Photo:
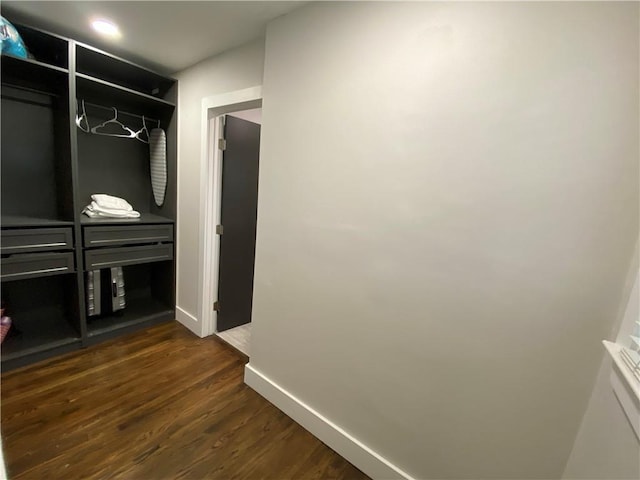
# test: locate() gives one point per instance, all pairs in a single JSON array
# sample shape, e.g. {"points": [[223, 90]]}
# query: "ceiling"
{"points": [[167, 36]]}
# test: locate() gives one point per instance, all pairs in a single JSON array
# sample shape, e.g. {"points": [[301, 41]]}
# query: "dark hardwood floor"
{"points": [[157, 404]]}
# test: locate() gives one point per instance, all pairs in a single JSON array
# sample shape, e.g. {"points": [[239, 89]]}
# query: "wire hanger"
{"points": [[83, 118], [125, 132], [143, 133]]}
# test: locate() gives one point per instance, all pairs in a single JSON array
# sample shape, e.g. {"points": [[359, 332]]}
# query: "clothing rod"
{"points": [[120, 112]]}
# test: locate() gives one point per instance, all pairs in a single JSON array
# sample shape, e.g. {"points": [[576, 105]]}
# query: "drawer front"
{"points": [[109, 236], [118, 257], [31, 265], [20, 240]]}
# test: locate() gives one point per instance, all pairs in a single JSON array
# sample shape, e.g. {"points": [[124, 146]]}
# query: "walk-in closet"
{"points": [[79, 122]]}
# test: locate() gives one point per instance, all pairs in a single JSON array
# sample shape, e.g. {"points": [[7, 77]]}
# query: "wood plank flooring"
{"points": [[158, 404]]}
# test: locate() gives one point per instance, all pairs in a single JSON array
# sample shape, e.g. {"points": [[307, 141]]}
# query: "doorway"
{"points": [[213, 109], [239, 146], [238, 215]]}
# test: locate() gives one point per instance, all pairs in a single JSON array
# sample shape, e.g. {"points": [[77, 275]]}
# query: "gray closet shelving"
{"points": [[49, 170]]}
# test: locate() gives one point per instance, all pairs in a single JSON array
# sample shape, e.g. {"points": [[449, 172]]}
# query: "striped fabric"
{"points": [[158, 162]]}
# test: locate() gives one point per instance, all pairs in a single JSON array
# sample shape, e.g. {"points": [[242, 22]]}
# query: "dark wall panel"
{"points": [[28, 155]]}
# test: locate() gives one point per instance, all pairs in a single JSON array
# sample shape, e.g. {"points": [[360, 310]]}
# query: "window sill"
{"points": [[625, 386]]}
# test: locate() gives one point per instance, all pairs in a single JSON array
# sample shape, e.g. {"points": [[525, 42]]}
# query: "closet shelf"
{"points": [[139, 311], [97, 63], [51, 334], [93, 89], [12, 62], [48, 48], [9, 221], [33, 74]]}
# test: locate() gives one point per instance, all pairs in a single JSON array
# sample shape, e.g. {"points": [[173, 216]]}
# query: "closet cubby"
{"points": [[96, 90], [45, 48], [117, 166], [50, 169], [35, 152], [147, 301], [44, 319], [28, 73], [35, 158], [92, 62]]}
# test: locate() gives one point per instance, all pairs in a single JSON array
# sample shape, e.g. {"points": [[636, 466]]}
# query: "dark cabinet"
{"points": [[32, 265], [118, 257], [18, 240], [50, 168], [109, 236]]}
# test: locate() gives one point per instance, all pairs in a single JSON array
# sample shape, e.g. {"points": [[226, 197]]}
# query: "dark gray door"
{"points": [[238, 218]]}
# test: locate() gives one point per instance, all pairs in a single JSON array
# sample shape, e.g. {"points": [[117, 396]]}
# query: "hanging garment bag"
{"points": [[158, 164]]}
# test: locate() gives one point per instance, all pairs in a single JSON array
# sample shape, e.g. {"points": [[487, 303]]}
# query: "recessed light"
{"points": [[106, 28]]}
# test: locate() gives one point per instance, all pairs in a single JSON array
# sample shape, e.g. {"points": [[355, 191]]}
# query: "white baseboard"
{"points": [[189, 321], [352, 449]]}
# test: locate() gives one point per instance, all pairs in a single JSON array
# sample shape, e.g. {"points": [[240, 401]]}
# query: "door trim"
{"points": [[213, 108]]}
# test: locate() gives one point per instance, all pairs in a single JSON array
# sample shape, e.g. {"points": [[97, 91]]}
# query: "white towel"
{"points": [[110, 202], [96, 211], [116, 212]]}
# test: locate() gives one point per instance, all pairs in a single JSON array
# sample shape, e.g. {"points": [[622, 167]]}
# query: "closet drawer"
{"points": [[109, 236], [19, 240], [30, 265], [118, 257]]}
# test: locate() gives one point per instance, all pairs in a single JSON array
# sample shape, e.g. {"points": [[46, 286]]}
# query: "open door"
{"points": [[238, 222]]}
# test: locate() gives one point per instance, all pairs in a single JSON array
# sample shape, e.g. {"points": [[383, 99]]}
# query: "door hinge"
{"points": [[222, 144], [219, 229], [216, 306]]}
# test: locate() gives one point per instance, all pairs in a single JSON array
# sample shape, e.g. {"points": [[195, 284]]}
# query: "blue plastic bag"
{"points": [[12, 43]]}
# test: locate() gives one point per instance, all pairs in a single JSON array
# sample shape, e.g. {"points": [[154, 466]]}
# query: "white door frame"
{"points": [[210, 194]]}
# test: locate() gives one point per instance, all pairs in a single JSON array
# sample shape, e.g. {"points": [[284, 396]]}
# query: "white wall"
{"points": [[448, 204], [606, 446], [234, 70]]}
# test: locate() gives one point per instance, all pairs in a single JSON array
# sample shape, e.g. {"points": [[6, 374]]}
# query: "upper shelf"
{"points": [[110, 94], [28, 73], [45, 47], [96, 63]]}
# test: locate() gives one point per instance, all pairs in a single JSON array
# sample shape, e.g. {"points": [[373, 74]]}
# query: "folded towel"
{"points": [[108, 201], [90, 213], [110, 211], [95, 211]]}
